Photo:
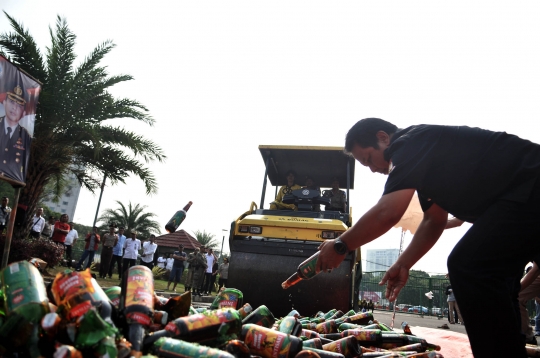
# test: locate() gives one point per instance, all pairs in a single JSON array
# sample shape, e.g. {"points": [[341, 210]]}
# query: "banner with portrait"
{"points": [[18, 100]]}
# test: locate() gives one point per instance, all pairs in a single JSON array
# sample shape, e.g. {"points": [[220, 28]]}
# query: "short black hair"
{"points": [[290, 172], [364, 133]]}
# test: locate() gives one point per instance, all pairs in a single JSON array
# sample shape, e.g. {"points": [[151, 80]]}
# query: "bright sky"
{"points": [[221, 78]]}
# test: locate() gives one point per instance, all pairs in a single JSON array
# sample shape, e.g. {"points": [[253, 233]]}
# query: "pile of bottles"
{"points": [[74, 317]]}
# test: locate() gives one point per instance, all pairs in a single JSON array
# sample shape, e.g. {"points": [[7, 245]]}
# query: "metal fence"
{"points": [[413, 297]]}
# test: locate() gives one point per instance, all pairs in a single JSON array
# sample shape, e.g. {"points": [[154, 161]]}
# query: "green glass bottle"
{"points": [[229, 297], [175, 348], [290, 325], [313, 343], [305, 271], [347, 346], [24, 291], [210, 327], [138, 305], [309, 334], [270, 343], [325, 354], [261, 316], [113, 293], [177, 218]]}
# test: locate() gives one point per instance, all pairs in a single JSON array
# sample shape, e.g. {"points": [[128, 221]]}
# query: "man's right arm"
{"points": [[377, 221]]}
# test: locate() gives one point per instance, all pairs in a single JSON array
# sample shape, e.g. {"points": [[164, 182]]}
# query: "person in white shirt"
{"points": [[38, 223], [131, 250], [210, 258], [149, 248], [71, 239], [161, 262], [170, 262]]}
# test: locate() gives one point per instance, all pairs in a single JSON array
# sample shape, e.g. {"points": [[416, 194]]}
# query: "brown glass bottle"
{"points": [[177, 218], [306, 270]]}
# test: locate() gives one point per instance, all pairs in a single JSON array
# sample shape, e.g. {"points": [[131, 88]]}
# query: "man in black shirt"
{"points": [[490, 179], [179, 257]]}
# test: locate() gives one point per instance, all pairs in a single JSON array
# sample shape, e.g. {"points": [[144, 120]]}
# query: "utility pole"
{"points": [[99, 201], [222, 241]]}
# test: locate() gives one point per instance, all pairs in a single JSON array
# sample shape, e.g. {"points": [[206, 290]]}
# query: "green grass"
{"points": [[159, 285]]}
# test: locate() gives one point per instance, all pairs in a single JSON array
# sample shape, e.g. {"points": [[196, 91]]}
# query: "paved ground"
{"points": [[416, 320]]}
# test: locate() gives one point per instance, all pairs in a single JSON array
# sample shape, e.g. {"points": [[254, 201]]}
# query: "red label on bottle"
{"points": [[227, 303], [136, 317], [80, 309]]}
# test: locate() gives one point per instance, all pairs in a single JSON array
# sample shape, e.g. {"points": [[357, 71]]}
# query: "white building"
{"points": [[380, 260], [68, 200]]}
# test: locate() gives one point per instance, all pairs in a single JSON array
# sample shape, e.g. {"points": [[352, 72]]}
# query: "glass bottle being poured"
{"points": [[306, 270]]}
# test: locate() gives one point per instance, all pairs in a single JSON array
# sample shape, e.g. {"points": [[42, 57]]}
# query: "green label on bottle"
{"points": [[307, 268]]}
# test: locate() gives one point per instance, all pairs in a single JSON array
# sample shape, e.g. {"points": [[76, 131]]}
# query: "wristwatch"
{"points": [[340, 247]]}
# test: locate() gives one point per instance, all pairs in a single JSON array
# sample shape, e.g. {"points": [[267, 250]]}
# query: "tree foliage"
{"points": [[71, 133], [206, 239], [132, 218]]}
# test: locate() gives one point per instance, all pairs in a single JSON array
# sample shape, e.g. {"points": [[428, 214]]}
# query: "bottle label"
{"points": [[364, 335], [79, 310], [137, 317], [140, 288], [307, 268], [266, 342], [226, 299], [176, 220], [71, 284], [199, 321]]}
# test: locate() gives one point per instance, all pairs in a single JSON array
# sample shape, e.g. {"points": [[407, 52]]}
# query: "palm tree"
{"points": [[71, 135], [132, 218], [206, 239]]}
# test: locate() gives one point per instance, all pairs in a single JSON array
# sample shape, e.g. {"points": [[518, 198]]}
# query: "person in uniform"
{"points": [[189, 276], [338, 198], [14, 139], [490, 179], [199, 263]]}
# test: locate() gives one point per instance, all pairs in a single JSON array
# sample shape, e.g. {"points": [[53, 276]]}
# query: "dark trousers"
{"points": [[485, 269], [86, 254], [222, 282], [69, 250], [207, 286], [150, 264], [115, 260], [127, 263], [106, 256]]}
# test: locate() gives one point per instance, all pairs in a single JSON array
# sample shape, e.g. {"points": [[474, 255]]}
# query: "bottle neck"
{"points": [[186, 208]]}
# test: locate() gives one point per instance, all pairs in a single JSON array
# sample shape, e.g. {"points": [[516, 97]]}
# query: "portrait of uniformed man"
{"points": [[14, 139]]}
